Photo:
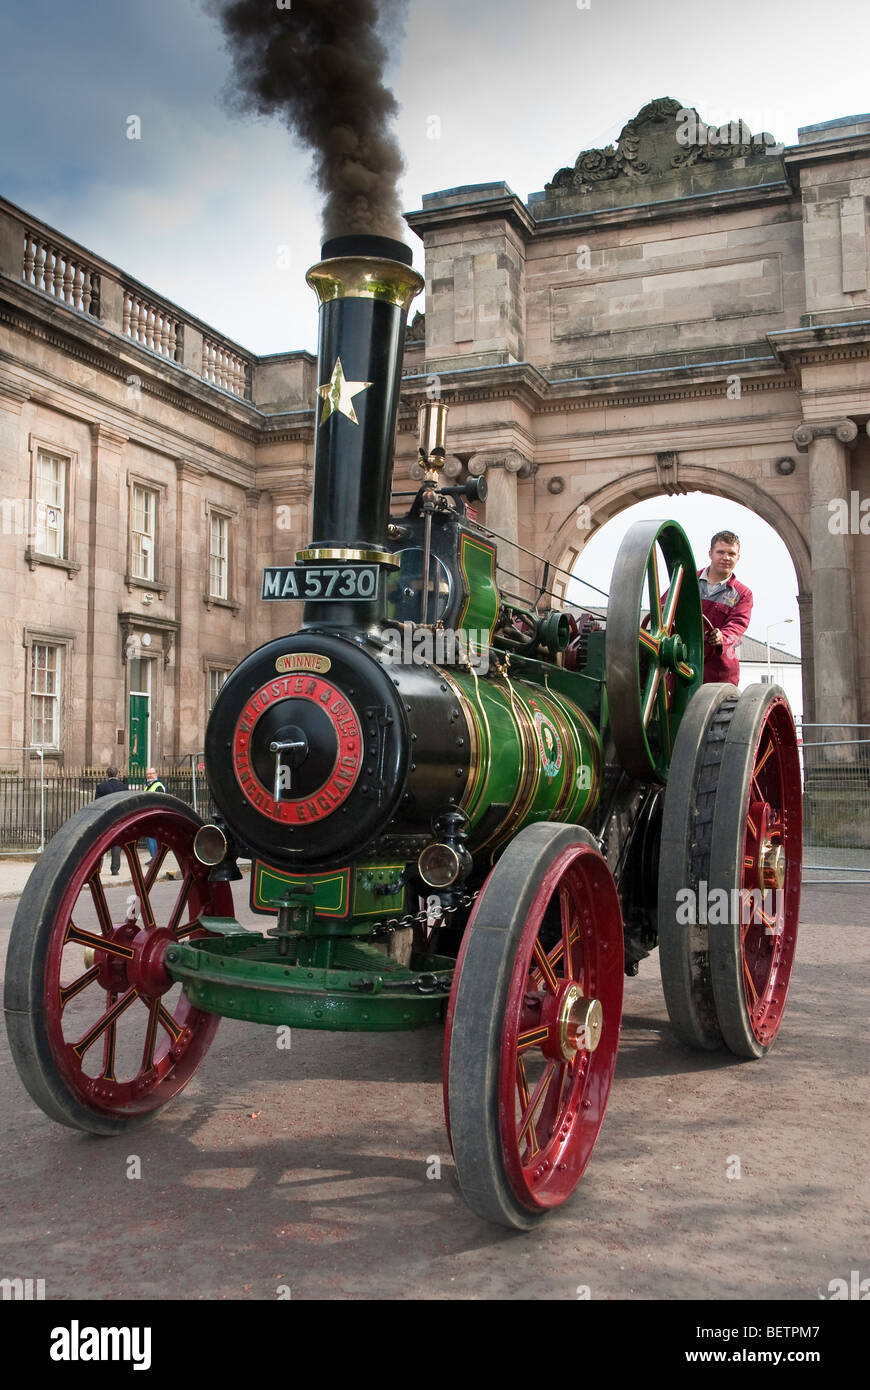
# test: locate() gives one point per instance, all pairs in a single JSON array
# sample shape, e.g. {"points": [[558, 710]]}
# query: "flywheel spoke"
{"points": [[537, 1099], [109, 1018], [101, 907], [673, 599], [69, 992], [655, 592], [545, 968]]}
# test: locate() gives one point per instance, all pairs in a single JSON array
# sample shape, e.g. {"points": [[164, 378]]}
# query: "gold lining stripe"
{"points": [[486, 759], [574, 712], [529, 772], [474, 765], [570, 743]]}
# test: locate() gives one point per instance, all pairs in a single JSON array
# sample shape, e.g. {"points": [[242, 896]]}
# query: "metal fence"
{"points": [[36, 798], [836, 776]]}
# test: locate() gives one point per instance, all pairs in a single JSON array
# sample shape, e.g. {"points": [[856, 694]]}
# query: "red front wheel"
{"points": [[533, 1025], [100, 1035]]}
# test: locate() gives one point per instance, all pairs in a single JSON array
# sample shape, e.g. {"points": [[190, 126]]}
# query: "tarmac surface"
{"points": [[312, 1172]]}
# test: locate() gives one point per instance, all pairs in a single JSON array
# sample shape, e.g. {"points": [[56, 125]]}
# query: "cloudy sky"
{"points": [[217, 212], [198, 207]]}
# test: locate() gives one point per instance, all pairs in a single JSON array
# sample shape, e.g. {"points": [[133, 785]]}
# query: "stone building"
{"points": [[689, 309], [149, 468]]}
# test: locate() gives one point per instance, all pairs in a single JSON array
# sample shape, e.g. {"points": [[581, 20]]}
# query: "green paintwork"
{"points": [[367, 877], [269, 886], [339, 894], [538, 755], [138, 759], [242, 975], [477, 563]]}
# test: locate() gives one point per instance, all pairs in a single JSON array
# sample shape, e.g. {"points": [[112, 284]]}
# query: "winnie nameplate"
{"points": [[325, 583], [303, 661]]}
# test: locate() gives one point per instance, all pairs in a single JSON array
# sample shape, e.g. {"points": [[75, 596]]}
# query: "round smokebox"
{"points": [[306, 750]]}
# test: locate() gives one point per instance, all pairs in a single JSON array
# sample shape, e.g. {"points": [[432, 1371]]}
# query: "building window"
{"points": [[144, 532], [51, 509], [216, 678], [218, 555], [45, 685], [51, 538], [146, 508]]}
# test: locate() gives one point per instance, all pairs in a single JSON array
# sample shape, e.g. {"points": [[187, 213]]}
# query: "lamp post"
{"points": [[781, 623]]}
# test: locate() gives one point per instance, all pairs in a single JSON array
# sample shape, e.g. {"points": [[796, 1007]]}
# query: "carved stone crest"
{"points": [[663, 137]]}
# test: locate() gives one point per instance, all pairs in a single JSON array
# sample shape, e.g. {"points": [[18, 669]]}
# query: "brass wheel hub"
{"points": [[771, 864], [580, 1022]]}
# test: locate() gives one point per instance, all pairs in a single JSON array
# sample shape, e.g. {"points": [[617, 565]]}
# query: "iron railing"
{"points": [[37, 799], [35, 802], [836, 776]]}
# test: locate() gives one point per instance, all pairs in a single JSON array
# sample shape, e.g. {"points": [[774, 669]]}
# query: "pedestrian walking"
{"points": [[112, 783]]}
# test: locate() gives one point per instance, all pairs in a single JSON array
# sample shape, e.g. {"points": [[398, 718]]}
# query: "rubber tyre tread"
{"points": [[684, 862], [478, 1020], [28, 949], [728, 831]]}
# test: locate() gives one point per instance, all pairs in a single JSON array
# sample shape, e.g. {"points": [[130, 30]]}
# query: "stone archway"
{"points": [[568, 543]]}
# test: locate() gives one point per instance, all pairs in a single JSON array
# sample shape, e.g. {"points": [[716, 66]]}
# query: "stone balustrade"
{"points": [[152, 326], [55, 270], [49, 264], [224, 368]]}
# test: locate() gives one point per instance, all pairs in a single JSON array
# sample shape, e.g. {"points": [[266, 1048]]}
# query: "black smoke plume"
{"points": [[318, 65]]}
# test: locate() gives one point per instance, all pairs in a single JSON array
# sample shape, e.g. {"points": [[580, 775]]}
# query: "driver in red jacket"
{"points": [[727, 608]]}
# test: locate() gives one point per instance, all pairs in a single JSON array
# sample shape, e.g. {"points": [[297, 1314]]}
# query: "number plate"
{"points": [[323, 583]]}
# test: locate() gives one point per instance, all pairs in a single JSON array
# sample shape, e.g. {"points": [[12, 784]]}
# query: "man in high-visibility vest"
{"points": [[152, 784]]}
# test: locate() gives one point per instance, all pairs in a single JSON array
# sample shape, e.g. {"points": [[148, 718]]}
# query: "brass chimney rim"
{"points": [[365, 277]]}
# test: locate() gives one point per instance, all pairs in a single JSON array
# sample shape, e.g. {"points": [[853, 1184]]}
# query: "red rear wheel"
{"points": [[755, 855], [100, 1034], [533, 1025]]}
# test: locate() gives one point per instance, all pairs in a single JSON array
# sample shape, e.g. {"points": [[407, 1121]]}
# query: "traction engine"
{"points": [[458, 808]]}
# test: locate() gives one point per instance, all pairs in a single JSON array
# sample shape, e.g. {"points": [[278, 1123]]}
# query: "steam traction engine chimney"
{"points": [[365, 285]]}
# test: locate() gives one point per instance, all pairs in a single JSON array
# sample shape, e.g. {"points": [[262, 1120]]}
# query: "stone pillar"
{"points": [[836, 686], [103, 674], [251, 586], [502, 511], [287, 529], [808, 662], [17, 523], [190, 586]]}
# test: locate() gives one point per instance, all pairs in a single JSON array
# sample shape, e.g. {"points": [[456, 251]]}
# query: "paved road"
{"points": [[307, 1168]]}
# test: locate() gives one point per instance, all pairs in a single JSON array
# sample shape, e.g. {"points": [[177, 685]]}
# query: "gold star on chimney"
{"points": [[338, 394]]}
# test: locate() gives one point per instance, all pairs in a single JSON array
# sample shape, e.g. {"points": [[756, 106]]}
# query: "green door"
{"points": [[138, 734]]}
